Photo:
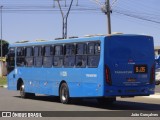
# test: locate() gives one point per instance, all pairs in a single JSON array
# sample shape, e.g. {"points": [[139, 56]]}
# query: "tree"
{"points": [[5, 45]]}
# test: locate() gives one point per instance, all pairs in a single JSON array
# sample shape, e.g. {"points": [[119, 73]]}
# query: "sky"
{"points": [[41, 19]]}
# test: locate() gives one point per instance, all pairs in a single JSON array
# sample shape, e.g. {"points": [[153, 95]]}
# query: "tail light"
{"points": [[108, 75], [152, 74]]}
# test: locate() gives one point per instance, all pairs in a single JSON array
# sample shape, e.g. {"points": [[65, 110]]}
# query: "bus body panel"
{"points": [[123, 56], [11, 81], [88, 81]]}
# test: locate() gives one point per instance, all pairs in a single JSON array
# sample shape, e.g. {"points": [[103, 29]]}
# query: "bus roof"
{"points": [[61, 41]]}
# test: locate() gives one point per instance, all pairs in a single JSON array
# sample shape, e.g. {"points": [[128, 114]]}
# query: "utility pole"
{"points": [[1, 62], [64, 18], [1, 33], [106, 9], [108, 15]]}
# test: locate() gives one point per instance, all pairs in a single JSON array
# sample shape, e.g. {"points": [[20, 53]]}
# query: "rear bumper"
{"points": [[129, 90]]}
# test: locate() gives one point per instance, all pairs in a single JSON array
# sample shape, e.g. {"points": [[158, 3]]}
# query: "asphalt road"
{"points": [[157, 90], [10, 101]]}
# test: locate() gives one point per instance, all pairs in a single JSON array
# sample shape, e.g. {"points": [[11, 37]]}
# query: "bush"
{"points": [[3, 81]]}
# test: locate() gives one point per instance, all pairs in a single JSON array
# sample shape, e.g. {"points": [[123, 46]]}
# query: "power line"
{"points": [[138, 17]]}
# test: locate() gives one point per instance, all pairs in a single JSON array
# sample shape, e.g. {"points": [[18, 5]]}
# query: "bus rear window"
{"points": [[137, 48]]}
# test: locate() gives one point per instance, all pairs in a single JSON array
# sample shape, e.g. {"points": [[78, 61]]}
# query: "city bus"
{"points": [[101, 67]]}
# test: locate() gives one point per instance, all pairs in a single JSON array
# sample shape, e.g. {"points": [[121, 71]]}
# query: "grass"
{"points": [[3, 81]]}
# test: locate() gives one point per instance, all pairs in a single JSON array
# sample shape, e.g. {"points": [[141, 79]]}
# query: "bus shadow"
{"points": [[118, 105], [123, 105], [43, 98]]}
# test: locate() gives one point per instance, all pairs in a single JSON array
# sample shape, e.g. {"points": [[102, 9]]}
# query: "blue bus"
{"points": [[102, 67]]}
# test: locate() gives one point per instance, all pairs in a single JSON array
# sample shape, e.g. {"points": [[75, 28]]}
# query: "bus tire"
{"points": [[22, 91], [64, 94], [24, 94], [106, 101]]}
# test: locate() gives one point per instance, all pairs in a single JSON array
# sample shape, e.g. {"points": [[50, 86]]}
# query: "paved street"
{"points": [[157, 89], [10, 101]]}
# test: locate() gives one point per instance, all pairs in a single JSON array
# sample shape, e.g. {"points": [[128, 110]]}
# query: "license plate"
{"points": [[140, 69]]}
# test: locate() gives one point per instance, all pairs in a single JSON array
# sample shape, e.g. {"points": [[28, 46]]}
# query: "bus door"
{"points": [[11, 68]]}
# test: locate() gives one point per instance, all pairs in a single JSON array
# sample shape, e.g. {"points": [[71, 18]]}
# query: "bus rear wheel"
{"points": [[24, 94], [64, 94]]}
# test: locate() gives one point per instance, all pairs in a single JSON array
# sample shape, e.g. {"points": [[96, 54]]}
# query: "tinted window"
{"points": [[29, 51], [94, 48], [38, 61], [20, 57], [69, 61], [70, 49], [81, 48], [58, 61], [38, 51], [58, 56], [48, 51], [38, 56], [91, 48], [10, 60], [47, 60], [20, 51], [29, 56], [58, 50], [93, 61], [11, 52], [97, 48], [81, 60], [93, 54]]}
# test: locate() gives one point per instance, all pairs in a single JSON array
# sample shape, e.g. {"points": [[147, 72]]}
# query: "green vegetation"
{"points": [[3, 81]]}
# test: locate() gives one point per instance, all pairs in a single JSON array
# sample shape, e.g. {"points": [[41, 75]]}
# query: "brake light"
{"points": [[108, 75], [152, 75]]}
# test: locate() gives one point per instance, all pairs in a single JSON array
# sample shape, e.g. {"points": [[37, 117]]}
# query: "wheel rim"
{"points": [[22, 90], [64, 94]]}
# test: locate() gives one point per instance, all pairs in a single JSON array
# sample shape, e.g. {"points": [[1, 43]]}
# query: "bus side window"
{"points": [[91, 48], [20, 57], [58, 56], [38, 56], [97, 48], [11, 60], [58, 50], [47, 59], [81, 58], [29, 56], [69, 59], [93, 54]]}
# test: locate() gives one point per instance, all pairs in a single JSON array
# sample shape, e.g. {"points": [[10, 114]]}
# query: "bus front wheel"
{"points": [[23, 94], [64, 94]]}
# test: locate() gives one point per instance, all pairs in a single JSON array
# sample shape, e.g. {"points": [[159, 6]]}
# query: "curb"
{"points": [[3, 86]]}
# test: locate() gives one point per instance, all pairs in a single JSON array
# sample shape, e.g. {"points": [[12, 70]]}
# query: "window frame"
{"points": [[50, 55], [67, 56], [39, 55], [18, 57], [11, 55], [82, 55], [61, 55], [94, 55], [32, 56]]}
